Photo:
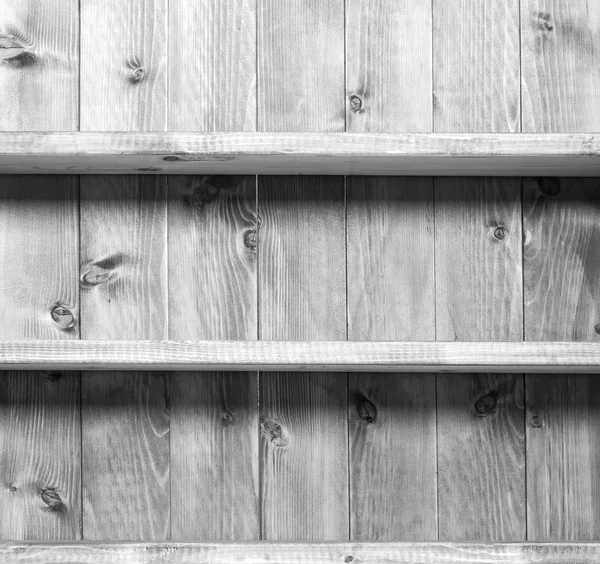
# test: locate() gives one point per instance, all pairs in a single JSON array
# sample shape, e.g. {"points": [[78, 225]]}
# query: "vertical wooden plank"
{"points": [[39, 412], [301, 65], [123, 65], [39, 85], [560, 60], [212, 295], [388, 46], [212, 65], [562, 262], [481, 451], [476, 66], [393, 485], [125, 425], [303, 420]]}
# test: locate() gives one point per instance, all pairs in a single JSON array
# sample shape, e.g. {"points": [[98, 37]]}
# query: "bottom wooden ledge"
{"points": [[315, 356], [295, 553]]}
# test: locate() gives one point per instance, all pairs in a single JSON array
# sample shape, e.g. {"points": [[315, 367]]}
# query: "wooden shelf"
{"points": [[302, 153], [315, 553], [359, 356]]}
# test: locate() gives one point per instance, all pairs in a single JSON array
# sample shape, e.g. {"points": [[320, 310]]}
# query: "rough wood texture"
{"points": [[562, 262], [39, 80], [392, 419], [303, 420], [388, 46], [123, 65], [213, 295], [39, 413], [307, 153], [476, 67], [323, 553], [212, 65], [301, 65], [560, 58], [125, 422], [481, 451]]}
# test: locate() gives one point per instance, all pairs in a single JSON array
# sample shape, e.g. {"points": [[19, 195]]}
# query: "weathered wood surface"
{"points": [[319, 553], [308, 153], [214, 416]]}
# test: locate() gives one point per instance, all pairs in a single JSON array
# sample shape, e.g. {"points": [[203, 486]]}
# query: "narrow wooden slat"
{"points": [[392, 420], [481, 451], [476, 67], [213, 295], [125, 422], [303, 420], [560, 57], [39, 83], [39, 413], [300, 65], [308, 153], [123, 65], [307, 356], [562, 263], [212, 65], [319, 553], [388, 46]]}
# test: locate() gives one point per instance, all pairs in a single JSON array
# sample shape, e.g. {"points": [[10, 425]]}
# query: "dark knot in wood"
{"points": [[349, 559], [250, 239], [62, 316], [273, 431], [500, 233], [52, 376], [355, 103], [549, 186], [536, 421], [52, 500], [597, 328], [366, 410], [12, 488], [487, 404], [227, 418]]}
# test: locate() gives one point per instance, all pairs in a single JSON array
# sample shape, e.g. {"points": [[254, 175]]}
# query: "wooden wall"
{"points": [[296, 456]]}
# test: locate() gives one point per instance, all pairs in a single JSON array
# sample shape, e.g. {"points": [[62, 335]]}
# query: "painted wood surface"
{"points": [[302, 153], [213, 295], [40, 443], [392, 420], [303, 420], [481, 461], [125, 420], [123, 65]]}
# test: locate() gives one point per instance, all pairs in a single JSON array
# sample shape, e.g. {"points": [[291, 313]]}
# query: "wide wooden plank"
{"points": [[125, 422], [303, 420], [319, 553], [308, 153], [560, 59], [390, 247], [214, 416], [212, 65], [123, 65], [562, 264], [388, 46], [302, 356], [39, 412], [39, 74], [300, 65], [476, 66], [481, 450]]}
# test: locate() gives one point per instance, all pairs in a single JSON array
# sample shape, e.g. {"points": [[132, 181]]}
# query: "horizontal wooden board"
{"points": [[302, 153], [315, 553], [307, 356]]}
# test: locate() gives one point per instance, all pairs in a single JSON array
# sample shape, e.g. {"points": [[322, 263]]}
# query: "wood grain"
{"points": [[560, 57], [125, 423], [39, 412], [212, 65], [300, 65], [123, 65], [391, 295], [476, 66], [320, 553], [481, 451], [561, 271], [213, 295], [302, 153], [388, 46], [303, 420], [39, 84]]}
